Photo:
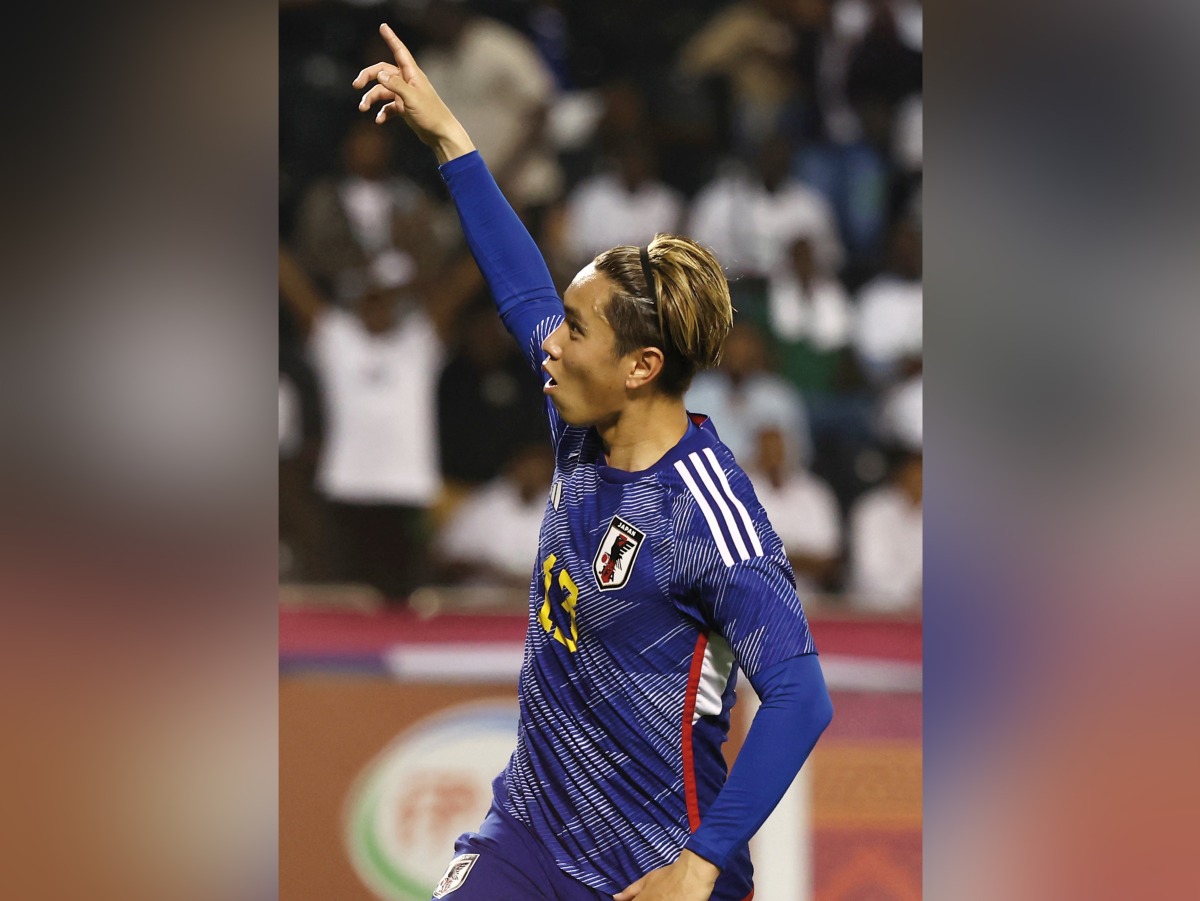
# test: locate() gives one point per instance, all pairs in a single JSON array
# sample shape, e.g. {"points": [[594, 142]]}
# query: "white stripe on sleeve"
{"points": [[737, 503], [715, 493], [707, 511]]}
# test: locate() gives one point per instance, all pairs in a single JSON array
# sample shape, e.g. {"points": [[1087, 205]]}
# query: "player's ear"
{"points": [[645, 367]]}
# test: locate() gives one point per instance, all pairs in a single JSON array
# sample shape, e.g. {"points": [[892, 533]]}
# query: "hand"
{"points": [[407, 93], [690, 878]]}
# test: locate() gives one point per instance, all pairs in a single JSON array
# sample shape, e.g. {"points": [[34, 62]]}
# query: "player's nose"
{"points": [[553, 343]]}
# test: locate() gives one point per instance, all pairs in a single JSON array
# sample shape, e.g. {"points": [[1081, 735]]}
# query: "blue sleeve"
{"points": [[795, 711], [506, 254], [753, 604]]}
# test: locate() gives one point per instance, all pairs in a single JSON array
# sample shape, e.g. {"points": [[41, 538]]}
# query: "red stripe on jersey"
{"points": [[689, 709]]}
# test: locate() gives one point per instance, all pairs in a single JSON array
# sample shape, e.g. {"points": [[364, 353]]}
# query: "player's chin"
{"points": [[571, 416]]}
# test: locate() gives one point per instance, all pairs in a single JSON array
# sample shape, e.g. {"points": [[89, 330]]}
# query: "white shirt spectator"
{"points": [[601, 213], [890, 324], [750, 229], [494, 527], [804, 513], [901, 413], [886, 546], [494, 80], [821, 316], [380, 404]]}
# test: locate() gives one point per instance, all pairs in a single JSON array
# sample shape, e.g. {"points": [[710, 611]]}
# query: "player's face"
{"points": [[586, 381]]}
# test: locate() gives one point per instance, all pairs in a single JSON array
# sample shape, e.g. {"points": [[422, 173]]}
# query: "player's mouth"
{"points": [[552, 382]]}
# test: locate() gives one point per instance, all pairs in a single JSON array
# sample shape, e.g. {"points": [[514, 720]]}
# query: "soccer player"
{"points": [[658, 575]]}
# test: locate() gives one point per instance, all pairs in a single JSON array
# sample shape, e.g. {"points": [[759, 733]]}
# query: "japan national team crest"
{"points": [[618, 549], [456, 874]]}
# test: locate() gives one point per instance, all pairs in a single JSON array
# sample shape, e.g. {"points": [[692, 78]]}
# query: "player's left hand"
{"points": [[690, 878]]}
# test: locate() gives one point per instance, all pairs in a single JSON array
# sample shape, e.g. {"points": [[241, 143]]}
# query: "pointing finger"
{"points": [[404, 59]]}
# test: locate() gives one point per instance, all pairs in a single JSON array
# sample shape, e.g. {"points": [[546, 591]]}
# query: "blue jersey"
{"points": [[650, 591]]}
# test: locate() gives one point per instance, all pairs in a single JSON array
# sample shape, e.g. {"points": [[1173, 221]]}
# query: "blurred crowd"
{"points": [[783, 134]]}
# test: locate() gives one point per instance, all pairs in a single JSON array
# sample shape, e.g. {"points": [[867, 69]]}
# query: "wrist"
{"points": [[698, 866], [455, 143]]}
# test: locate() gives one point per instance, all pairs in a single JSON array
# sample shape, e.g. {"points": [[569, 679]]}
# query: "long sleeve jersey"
{"points": [[650, 591]]}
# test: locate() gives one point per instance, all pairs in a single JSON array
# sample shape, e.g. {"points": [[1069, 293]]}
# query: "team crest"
{"points": [[616, 554], [456, 874]]}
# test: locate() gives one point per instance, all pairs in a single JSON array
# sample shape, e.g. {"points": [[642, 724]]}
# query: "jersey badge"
{"points": [[556, 493], [456, 874], [618, 550]]}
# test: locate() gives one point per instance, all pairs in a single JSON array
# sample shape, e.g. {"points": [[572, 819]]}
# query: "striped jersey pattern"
{"points": [[650, 591]]}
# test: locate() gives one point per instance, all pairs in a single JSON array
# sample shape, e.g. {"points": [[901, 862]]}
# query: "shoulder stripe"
{"points": [[737, 503], [707, 511], [715, 494]]}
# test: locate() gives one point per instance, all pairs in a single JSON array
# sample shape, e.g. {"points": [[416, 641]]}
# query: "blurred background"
{"points": [[414, 458]]}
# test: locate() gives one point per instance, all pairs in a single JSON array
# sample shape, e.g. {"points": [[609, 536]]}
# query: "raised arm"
{"points": [[299, 291], [507, 256]]}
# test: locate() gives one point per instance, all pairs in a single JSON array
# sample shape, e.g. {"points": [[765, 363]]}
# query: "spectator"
{"points": [[810, 317], [886, 540], [750, 46], [377, 368], [500, 88], [367, 224], [301, 539], [626, 204], [888, 334], [488, 389], [605, 120], [885, 64], [487, 539], [900, 413], [749, 218], [802, 509], [743, 398], [874, 66]]}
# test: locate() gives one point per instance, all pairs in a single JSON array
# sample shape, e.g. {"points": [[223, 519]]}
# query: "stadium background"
{"points": [[706, 97]]}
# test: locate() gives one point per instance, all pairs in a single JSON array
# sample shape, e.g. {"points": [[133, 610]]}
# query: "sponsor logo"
{"points": [[432, 783], [615, 557], [456, 874], [556, 493]]}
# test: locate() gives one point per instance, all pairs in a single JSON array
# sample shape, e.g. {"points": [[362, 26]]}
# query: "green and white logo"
{"points": [[432, 783]]}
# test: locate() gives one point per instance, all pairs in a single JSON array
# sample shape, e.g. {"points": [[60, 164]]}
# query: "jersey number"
{"points": [[570, 597]]}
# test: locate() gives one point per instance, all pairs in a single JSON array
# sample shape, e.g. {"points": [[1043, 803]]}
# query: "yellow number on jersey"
{"points": [[567, 584]]}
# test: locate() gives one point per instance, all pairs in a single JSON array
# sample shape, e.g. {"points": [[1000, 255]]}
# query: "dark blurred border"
{"points": [[1061, 528], [137, 486]]}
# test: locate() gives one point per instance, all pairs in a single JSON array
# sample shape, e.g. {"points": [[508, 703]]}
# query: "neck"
{"points": [[643, 432]]}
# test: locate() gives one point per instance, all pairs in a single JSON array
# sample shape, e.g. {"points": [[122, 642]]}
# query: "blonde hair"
{"points": [[686, 313]]}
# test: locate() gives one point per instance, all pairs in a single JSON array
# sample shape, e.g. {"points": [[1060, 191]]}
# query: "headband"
{"points": [[645, 254]]}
